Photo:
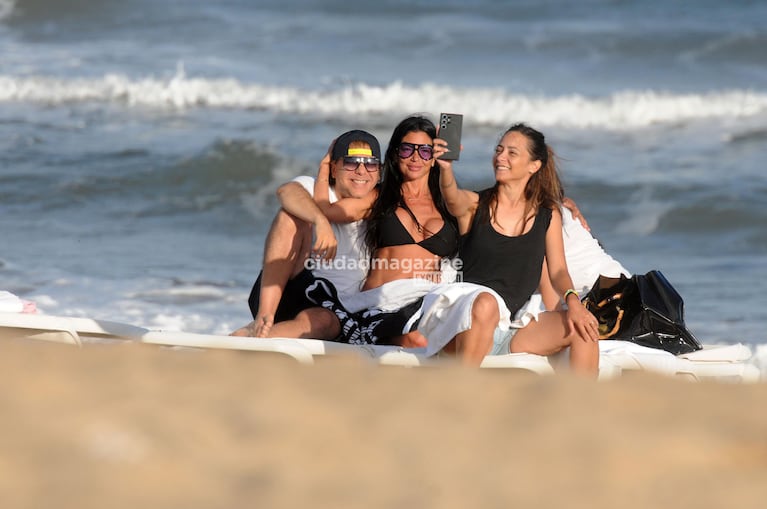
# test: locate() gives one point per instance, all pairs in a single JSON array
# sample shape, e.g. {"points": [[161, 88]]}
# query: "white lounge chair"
{"points": [[722, 362]]}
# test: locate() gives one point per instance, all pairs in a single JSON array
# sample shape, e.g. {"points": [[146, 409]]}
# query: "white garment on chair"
{"points": [[446, 308], [446, 311], [586, 259], [9, 303]]}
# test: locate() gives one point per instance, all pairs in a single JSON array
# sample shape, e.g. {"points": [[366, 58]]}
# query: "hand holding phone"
{"points": [[450, 125]]}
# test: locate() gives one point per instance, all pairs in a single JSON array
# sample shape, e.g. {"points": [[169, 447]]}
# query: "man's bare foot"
{"points": [[263, 324], [258, 328], [245, 332]]}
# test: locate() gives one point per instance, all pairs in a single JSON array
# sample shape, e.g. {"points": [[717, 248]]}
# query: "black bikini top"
{"points": [[393, 233]]}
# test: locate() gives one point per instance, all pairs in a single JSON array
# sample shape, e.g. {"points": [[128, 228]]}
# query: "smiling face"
{"points": [[512, 160], [355, 183], [414, 166]]}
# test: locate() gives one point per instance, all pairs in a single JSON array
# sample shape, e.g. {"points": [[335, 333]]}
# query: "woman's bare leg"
{"points": [[548, 335], [472, 345]]}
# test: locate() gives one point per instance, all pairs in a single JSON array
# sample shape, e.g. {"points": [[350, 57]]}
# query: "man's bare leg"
{"points": [[312, 323], [287, 247]]}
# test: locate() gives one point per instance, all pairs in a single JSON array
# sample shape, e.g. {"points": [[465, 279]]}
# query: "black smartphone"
{"points": [[450, 125]]}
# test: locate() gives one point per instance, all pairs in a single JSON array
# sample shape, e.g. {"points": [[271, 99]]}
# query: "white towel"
{"points": [[446, 308], [390, 296], [10, 303], [446, 311]]}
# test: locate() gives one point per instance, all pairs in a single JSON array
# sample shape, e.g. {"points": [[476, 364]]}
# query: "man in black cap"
{"points": [[303, 244]]}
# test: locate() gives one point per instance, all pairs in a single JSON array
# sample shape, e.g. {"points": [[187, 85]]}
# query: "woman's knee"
{"points": [[485, 309]]}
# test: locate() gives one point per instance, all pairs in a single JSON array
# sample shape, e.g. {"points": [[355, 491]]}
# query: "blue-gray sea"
{"points": [[141, 141]]}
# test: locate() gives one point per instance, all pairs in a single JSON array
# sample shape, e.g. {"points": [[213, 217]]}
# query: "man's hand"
{"points": [[570, 205], [325, 244]]}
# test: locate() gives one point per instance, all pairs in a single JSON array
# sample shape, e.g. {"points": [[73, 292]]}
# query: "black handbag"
{"points": [[644, 309]]}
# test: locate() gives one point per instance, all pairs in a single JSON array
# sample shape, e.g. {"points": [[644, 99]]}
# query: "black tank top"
{"points": [[509, 265]]}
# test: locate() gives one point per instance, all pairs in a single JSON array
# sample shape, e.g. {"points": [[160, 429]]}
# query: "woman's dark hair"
{"points": [[390, 192], [544, 187]]}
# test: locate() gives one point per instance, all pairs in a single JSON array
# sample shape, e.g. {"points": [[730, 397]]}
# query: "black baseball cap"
{"points": [[341, 146]]}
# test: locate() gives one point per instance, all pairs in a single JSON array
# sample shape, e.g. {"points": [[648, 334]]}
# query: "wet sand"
{"points": [[136, 426]]}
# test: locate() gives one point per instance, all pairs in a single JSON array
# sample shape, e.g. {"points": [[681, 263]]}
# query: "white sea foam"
{"points": [[628, 109]]}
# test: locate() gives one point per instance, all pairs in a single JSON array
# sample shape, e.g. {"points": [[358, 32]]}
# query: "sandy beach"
{"points": [[138, 426]]}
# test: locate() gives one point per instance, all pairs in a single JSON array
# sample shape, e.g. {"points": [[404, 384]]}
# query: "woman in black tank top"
{"points": [[507, 230]]}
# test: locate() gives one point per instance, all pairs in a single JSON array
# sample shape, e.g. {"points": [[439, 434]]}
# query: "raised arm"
{"points": [[344, 210], [461, 203]]}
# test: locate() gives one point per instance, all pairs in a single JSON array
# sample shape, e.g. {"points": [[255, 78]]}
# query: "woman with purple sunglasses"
{"points": [[411, 235], [505, 233], [410, 230]]}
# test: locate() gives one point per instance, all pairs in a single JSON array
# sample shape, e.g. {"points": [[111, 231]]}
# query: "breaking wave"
{"points": [[628, 109]]}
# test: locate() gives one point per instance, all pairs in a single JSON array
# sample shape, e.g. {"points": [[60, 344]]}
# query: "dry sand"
{"points": [[135, 426]]}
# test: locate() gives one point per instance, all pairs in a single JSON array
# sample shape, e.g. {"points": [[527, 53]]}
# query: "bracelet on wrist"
{"points": [[568, 293]]}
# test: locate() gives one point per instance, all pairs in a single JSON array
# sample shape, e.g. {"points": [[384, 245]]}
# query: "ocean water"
{"points": [[141, 142]]}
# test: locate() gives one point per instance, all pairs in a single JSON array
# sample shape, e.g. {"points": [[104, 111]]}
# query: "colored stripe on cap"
{"points": [[360, 152]]}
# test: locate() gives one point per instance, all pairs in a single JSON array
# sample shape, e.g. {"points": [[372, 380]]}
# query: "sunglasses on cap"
{"points": [[425, 152], [351, 163]]}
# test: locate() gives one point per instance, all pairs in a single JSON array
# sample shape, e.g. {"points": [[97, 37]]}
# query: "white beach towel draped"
{"points": [[9, 303], [446, 307]]}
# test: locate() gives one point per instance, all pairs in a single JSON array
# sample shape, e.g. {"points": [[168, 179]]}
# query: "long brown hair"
{"points": [[544, 187]]}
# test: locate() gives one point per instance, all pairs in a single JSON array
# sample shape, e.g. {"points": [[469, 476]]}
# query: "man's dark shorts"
{"points": [[362, 327], [293, 299]]}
